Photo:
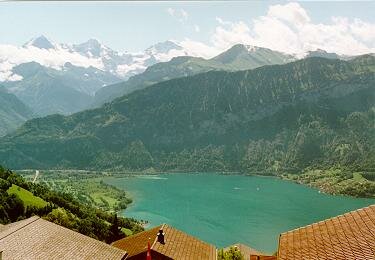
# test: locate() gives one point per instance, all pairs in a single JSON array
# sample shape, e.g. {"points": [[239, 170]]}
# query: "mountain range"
{"points": [[68, 88], [239, 57], [54, 78], [276, 118], [90, 53]]}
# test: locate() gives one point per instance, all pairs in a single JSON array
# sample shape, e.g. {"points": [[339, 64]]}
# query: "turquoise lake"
{"points": [[226, 209]]}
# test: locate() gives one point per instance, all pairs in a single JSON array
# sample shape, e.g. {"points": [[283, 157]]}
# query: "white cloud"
{"points": [[11, 56], [365, 31], [289, 28], [184, 14], [197, 28], [181, 15], [162, 57], [291, 12], [230, 34], [124, 69], [221, 21], [198, 49], [171, 11]]}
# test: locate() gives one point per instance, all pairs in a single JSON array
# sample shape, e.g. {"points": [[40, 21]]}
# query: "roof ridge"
{"points": [[155, 239], [135, 235], [327, 219], [30, 221], [179, 230]]}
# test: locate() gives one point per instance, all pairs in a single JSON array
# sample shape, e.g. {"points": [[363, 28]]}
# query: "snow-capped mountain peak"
{"points": [[91, 48], [90, 53], [251, 48], [40, 42]]}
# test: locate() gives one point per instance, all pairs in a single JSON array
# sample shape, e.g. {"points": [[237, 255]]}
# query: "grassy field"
{"points": [[86, 187], [104, 198], [27, 197], [357, 176], [127, 231]]}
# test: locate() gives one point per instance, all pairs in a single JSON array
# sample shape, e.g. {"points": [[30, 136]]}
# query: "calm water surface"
{"points": [[226, 209]]}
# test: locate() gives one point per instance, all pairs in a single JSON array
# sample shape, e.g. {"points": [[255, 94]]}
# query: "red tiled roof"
{"points": [[348, 236], [178, 245], [137, 243]]}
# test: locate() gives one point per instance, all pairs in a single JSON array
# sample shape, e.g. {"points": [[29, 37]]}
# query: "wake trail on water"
{"points": [[151, 177]]}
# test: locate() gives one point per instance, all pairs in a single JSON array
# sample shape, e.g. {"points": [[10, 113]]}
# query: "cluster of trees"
{"points": [[231, 254], [62, 209]]}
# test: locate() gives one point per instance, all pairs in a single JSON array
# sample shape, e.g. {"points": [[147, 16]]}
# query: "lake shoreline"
{"points": [[284, 176], [301, 179]]}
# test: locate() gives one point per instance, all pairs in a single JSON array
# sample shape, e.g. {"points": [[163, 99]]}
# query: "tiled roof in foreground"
{"points": [[178, 245], [137, 243], [348, 236], [35, 238]]}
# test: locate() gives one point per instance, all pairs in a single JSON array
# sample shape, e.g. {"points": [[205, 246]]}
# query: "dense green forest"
{"points": [[313, 113], [21, 199]]}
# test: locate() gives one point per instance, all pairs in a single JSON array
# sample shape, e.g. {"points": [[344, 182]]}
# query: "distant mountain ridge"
{"points": [[13, 113], [250, 57], [74, 88], [272, 119], [48, 91], [67, 78], [94, 53], [122, 65], [238, 57]]}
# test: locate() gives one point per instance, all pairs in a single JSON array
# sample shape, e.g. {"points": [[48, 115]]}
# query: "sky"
{"points": [[204, 27]]}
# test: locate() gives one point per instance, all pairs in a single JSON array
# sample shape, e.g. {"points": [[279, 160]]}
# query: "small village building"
{"points": [[166, 242], [36, 238], [348, 236]]}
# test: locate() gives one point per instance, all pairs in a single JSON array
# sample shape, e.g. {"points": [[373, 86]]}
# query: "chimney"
{"points": [[160, 236]]}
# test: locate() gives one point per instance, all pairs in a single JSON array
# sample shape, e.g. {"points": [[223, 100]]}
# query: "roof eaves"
{"points": [[16, 226], [324, 220]]}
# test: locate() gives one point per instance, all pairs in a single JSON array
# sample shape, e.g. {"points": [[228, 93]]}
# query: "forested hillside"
{"points": [[20, 199], [270, 120]]}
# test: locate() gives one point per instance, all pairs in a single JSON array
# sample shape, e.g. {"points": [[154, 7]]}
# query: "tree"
{"points": [[15, 207], [115, 231], [232, 254]]}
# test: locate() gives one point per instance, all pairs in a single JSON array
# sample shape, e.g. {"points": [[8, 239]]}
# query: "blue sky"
{"points": [[134, 26]]}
